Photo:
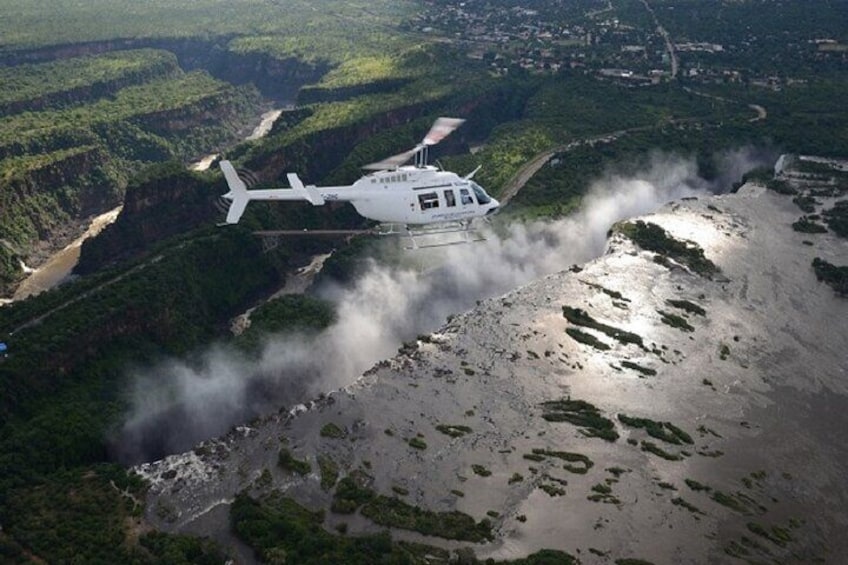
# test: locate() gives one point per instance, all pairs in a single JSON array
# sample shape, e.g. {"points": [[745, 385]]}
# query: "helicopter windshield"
{"points": [[481, 195]]}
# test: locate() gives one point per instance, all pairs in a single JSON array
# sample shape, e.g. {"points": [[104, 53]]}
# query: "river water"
{"points": [[59, 266]]}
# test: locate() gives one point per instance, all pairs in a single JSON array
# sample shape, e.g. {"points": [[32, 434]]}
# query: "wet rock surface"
{"points": [[729, 410]]}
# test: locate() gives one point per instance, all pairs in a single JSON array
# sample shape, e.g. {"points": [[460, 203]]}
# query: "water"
{"points": [[58, 268]]}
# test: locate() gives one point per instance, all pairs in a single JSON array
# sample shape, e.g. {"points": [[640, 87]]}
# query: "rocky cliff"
{"points": [[679, 399]]}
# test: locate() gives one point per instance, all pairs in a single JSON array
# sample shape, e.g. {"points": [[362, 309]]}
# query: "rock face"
{"points": [[711, 422]]}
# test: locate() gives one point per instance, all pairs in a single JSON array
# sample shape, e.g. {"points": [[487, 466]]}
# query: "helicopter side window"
{"points": [[450, 198], [465, 196], [428, 200]]}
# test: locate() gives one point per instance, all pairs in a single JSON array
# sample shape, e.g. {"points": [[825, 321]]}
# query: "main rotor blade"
{"points": [[442, 128], [394, 161]]}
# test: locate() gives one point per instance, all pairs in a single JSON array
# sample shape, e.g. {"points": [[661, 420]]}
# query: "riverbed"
{"points": [[58, 268]]}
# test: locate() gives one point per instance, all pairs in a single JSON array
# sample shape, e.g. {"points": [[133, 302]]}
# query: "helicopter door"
{"points": [[450, 198], [465, 197]]}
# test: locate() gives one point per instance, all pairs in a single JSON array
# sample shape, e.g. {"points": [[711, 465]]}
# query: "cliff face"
{"points": [[169, 201], [644, 405], [279, 79]]}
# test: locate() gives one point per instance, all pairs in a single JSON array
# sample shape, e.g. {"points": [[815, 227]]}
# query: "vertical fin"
{"points": [[237, 194]]}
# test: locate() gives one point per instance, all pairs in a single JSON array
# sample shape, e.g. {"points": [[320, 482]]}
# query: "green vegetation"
{"points": [[55, 83], [837, 218], [396, 513], [289, 313], [696, 486], [480, 470], [603, 493], [675, 321], [682, 503], [665, 431], [453, 430], [279, 528], [580, 317], [582, 414], [836, 277], [587, 339], [288, 462], [777, 535], [806, 225], [651, 237], [651, 447], [647, 371], [730, 501], [515, 478], [584, 462], [417, 443], [333, 431], [687, 306], [329, 472]]}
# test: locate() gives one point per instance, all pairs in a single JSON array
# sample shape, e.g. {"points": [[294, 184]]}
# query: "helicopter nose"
{"points": [[494, 206]]}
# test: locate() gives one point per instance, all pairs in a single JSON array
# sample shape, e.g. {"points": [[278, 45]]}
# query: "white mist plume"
{"points": [[180, 403]]}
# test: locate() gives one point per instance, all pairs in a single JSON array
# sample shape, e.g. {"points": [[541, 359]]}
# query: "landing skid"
{"points": [[419, 235]]}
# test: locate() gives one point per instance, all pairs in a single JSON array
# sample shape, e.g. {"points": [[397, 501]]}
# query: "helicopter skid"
{"points": [[421, 237]]}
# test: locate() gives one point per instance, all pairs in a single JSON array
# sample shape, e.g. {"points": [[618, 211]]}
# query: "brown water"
{"points": [[60, 265]]}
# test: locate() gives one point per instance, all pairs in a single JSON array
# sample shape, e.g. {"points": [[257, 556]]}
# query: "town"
{"points": [[628, 44]]}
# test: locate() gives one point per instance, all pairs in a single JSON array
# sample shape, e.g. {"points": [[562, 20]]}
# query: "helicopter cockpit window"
{"points": [[428, 200], [450, 198], [465, 196], [481, 195]]}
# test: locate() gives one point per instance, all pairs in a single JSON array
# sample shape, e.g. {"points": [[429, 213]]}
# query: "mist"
{"points": [[179, 402]]}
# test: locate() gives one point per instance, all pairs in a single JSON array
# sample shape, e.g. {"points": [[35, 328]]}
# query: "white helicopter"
{"points": [[421, 198]]}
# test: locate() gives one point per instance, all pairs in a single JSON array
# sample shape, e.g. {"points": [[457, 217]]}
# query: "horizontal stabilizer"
{"points": [[309, 193]]}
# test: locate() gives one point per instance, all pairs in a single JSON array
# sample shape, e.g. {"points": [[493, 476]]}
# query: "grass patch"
{"points": [[614, 294], [729, 501], [453, 430], [351, 493], [836, 277], [480, 470], [581, 469], [806, 203], [837, 218], [417, 443], [580, 317], [675, 321], [683, 504], [395, 513], [777, 535], [696, 486], [515, 478], [665, 431], [687, 306], [647, 371], [651, 447], [552, 490], [587, 339], [806, 225], [329, 472], [652, 237], [331, 430], [582, 414], [288, 462]]}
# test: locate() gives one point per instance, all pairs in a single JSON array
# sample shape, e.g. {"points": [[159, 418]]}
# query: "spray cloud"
{"points": [[179, 402]]}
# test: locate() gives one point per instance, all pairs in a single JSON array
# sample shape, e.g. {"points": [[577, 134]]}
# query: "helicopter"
{"points": [[419, 199]]}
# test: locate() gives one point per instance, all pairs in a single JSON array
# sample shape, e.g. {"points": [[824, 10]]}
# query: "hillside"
{"points": [[673, 399]]}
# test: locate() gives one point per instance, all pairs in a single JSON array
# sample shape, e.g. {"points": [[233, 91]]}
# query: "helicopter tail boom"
{"points": [[240, 196]]}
